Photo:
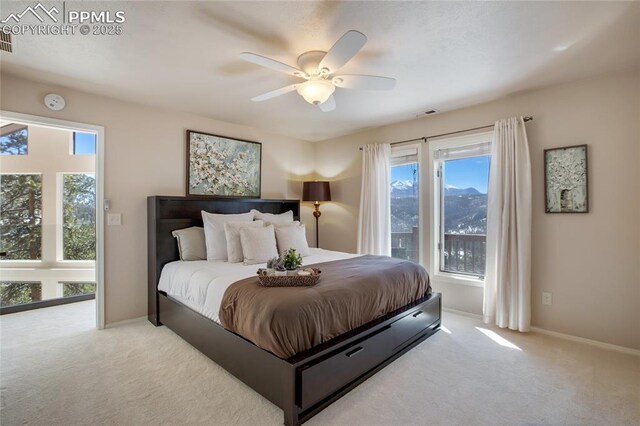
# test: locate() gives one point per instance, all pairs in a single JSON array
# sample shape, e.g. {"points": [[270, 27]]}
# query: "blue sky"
{"points": [[464, 173], [85, 143], [403, 172]]}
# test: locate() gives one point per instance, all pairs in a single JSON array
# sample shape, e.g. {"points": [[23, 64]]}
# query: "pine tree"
{"points": [[14, 143]]}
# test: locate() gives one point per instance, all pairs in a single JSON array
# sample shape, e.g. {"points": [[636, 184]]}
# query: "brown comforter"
{"points": [[351, 292]]}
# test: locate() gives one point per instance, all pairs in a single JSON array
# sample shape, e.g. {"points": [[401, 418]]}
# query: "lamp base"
{"points": [[316, 214]]}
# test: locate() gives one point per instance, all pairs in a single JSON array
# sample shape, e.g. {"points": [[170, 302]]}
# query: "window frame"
{"points": [[400, 151], [437, 206]]}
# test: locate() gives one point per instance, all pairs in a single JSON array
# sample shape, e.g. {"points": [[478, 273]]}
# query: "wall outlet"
{"points": [[114, 219], [547, 298]]}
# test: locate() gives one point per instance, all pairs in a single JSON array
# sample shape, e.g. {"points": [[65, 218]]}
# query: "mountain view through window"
{"points": [[405, 230], [464, 216]]}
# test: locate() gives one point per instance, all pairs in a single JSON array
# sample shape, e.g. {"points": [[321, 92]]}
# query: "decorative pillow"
{"points": [[191, 244], [283, 224], [215, 239], [232, 234], [273, 218], [292, 237], [258, 244]]}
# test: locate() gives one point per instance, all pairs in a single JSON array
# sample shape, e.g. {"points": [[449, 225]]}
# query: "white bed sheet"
{"points": [[201, 284]]}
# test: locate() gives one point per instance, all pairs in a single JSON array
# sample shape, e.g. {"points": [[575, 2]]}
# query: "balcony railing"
{"points": [[405, 245], [464, 253]]}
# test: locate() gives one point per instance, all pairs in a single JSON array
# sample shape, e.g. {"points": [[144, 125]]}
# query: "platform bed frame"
{"points": [[306, 383]]}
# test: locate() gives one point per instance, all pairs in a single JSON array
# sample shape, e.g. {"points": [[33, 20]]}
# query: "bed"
{"points": [[302, 384]]}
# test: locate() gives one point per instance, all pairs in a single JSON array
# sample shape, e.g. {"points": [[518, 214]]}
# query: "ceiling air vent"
{"points": [[427, 112], [5, 42]]}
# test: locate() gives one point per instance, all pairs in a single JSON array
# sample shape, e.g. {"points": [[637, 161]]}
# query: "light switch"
{"points": [[114, 219]]}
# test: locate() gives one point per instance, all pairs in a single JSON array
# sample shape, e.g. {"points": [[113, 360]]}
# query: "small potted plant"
{"points": [[292, 261]]}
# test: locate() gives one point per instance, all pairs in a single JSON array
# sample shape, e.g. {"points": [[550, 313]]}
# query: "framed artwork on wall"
{"points": [[566, 186], [218, 166]]}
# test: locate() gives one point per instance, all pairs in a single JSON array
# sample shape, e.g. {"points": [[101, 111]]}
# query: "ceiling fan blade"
{"points": [[344, 49], [272, 64], [274, 93], [365, 82], [328, 105]]}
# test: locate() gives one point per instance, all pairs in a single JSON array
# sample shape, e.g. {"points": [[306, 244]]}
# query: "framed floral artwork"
{"points": [[218, 166], [565, 180]]}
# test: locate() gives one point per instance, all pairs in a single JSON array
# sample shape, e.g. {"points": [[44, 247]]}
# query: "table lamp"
{"points": [[316, 191]]}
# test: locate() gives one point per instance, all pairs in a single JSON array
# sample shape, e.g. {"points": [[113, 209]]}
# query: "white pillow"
{"points": [[258, 244], [283, 224], [232, 235], [191, 244], [292, 237], [273, 218], [214, 237]]}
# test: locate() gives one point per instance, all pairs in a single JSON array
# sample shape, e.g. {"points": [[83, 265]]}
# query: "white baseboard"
{"points": [[124, 322], [596, 343], [463, 313], [539, 330]]}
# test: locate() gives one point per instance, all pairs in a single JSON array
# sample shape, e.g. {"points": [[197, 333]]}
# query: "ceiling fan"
{"points": [[319, 68]]}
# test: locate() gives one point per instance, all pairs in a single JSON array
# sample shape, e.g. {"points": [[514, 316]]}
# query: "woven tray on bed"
{"points": [[289, 280]]}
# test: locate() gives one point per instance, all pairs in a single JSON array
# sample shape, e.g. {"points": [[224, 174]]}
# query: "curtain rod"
{"points": [[425, 138]]}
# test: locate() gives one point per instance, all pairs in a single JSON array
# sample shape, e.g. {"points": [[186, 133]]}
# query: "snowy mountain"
{"points": [[401, 184], [403, 189], [451, 190], [465, 208]]}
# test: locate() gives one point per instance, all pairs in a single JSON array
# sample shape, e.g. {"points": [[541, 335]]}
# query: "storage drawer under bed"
{"points": [[330, 374]]}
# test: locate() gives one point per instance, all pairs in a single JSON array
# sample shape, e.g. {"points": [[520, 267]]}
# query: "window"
{"points": [[13, 139], [21, 216], [461, 168], [405, 204], [78, 289], [18, 293], [78, 216], [84, 143]]}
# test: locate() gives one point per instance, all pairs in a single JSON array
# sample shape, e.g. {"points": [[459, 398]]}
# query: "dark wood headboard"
{"points": [[166, 214]]}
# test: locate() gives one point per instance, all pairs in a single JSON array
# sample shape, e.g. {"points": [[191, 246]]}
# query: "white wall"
{"points": [[591, 262], [588, 261], [145, 155]]}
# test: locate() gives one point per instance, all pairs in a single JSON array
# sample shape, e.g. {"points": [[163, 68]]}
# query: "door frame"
{"points": [[99, 171]]}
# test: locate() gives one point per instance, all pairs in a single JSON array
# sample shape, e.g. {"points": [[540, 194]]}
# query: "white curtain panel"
{"points": [[507, 290], [374, 225]]}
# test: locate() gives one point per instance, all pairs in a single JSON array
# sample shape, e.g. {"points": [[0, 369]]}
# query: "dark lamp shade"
{"points": [[316, 191]]}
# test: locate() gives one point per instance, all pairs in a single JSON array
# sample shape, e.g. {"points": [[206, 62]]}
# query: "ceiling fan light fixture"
{"points": [[316, 91]]}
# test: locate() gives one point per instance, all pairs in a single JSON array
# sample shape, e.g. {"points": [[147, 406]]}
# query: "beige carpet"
{"points": [[57, 370]]}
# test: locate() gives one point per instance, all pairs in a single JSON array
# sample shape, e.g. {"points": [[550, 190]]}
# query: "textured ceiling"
{"points": [[444, 55]]}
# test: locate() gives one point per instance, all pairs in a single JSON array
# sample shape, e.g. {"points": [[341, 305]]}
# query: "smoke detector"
{"points": [[54, 102]]}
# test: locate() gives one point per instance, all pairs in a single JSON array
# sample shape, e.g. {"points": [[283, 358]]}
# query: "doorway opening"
{"points": [[51, 239]]}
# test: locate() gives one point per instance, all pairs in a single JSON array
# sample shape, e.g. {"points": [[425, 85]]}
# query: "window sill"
{"points": [[446, 278]]}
